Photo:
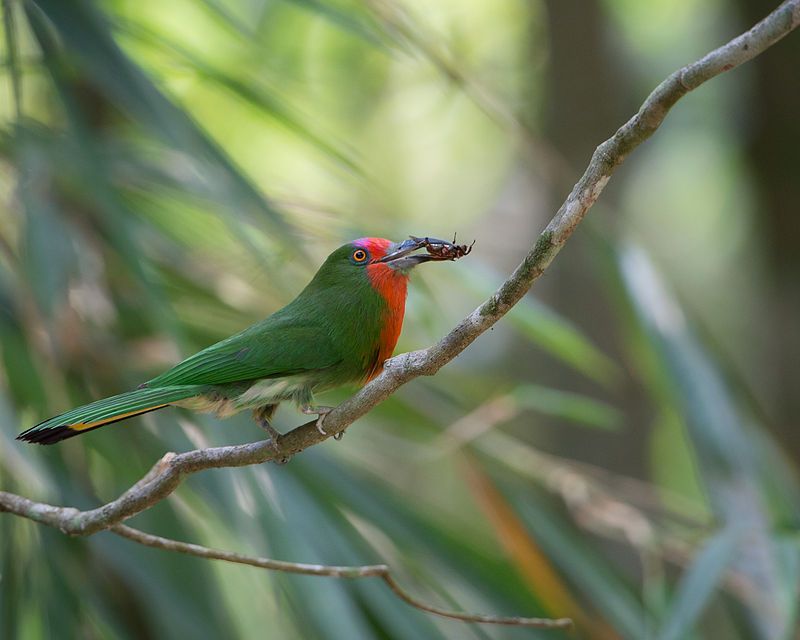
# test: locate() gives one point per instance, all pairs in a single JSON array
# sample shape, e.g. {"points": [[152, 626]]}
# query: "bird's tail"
{"points": [[106, 411]]}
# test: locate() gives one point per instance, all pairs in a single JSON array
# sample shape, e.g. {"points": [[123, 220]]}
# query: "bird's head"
{"points": [[384, 264], [379, 254]]}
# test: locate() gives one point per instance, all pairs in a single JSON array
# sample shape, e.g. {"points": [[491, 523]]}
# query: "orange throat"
{"points": [[393, 288]]}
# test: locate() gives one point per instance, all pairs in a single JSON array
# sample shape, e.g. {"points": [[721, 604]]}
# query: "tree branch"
{"points": [[364, 571], [168, 473]]}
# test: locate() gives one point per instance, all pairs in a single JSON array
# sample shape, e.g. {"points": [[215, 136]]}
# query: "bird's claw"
{"points": [[320, 412]]}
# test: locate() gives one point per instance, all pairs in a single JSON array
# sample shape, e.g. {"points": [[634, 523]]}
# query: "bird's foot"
{"points": [[274, 434], [320, 411]]}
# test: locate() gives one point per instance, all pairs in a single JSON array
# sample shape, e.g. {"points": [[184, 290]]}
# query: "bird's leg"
{"points": [[320, 411], [263, 416], [274, 434]]}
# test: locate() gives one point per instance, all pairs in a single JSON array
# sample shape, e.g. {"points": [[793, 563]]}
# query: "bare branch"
{"points": [[365, 571], [168, 473]]}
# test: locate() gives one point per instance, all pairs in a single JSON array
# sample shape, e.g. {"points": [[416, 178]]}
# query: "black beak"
{"points": [[399, 256]]}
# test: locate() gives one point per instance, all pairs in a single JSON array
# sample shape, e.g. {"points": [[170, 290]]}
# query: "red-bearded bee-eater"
{"points": [[339, 330]]}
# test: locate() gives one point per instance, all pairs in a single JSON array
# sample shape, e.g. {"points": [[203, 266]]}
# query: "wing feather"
{"points": [[272, 348]]}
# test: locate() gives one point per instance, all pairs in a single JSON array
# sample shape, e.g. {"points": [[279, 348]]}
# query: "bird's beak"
{"points": [[399, 256]]}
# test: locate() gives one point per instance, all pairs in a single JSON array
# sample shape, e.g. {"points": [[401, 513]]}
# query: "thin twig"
{"points": [[381, 571]]}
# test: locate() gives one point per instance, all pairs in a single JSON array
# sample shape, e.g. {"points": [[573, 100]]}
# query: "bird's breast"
{"points": [[392, 286]]}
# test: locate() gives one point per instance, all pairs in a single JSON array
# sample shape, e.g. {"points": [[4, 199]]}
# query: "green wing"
{"points": [[270, 349]]}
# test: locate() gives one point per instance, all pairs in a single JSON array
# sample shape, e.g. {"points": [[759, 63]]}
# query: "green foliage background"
{"points": [[170, 172]]}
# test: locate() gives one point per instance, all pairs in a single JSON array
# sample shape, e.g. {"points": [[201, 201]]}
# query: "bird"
{"points": [[339, 330]]}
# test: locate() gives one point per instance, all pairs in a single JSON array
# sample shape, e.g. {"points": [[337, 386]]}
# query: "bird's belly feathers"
{"points": [[225, 403]]}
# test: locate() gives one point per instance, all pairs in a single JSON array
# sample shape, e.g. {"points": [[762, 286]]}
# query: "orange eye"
{"points": [[359, 255]]}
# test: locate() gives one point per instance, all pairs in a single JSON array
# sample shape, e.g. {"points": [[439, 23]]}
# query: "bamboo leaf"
{"points": [[570, 406], [699, 582], [12, 49], [610, 596], [351, 22], [253, 92], [549, 330], [726, 443], [528, 557], [84, 33]]}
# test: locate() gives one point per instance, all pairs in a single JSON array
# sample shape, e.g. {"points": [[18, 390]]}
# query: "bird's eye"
{"points": [[359, 255]]}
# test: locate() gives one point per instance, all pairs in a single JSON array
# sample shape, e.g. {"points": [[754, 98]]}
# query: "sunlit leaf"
{"points": [[251, 91], [85, 34]]}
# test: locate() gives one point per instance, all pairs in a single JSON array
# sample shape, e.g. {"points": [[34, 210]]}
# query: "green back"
{"points": [[330, 333]]}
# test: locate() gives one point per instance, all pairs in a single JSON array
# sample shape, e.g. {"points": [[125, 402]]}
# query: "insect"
{"points": [[442, 249]]}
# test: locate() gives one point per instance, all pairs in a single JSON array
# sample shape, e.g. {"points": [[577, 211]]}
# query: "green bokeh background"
{"points": [[621, 448]]}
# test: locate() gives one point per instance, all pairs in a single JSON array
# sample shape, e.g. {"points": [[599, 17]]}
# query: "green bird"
{"points": [[339, 330]]}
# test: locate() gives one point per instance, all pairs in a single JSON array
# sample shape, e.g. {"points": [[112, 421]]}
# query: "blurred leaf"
{"points": [[677, 474], [308, 531], [171, 600], [528, 558], [567, 405], [225, 16], [552, 332], [723, 440], [47, 252], [251, 91], [503, 408], [84, 33], [356, 23], [699, 582], [437, 543], [788, 559], [609, 595], [118, 225], [26, 386], [12, 50], [714, 422], [126, 226]]}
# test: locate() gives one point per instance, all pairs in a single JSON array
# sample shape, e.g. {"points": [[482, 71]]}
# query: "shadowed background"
{"points": [[620, 449]]}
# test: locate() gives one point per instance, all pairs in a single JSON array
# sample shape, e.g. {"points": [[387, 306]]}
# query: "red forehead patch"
{"points": [[377, 247]]}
